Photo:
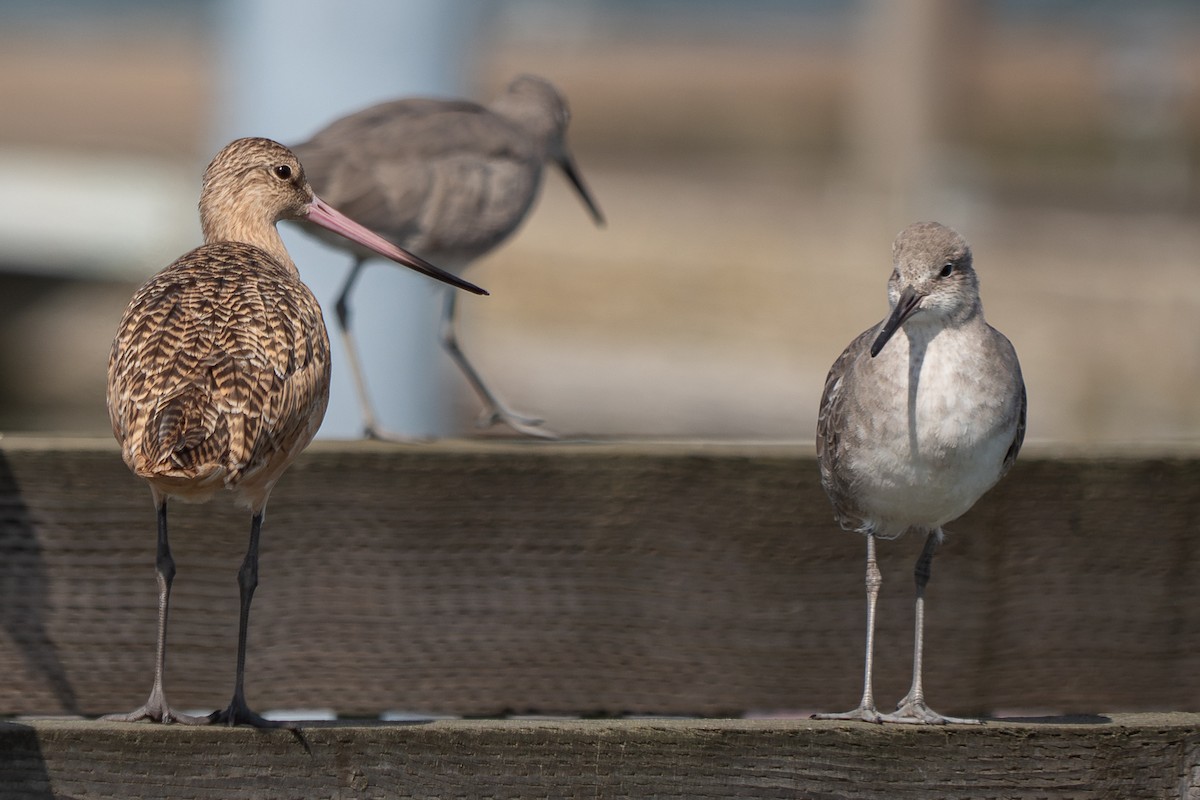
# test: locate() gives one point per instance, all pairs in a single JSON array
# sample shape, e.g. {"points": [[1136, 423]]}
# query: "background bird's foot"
{"points": [[865, 713], [916, 712], [238, 713], [529, 426], [377, 434]]}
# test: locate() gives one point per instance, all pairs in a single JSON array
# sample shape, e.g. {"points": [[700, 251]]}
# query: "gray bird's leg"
{"points": [[156, 708], [238, 713], [371, 427], [493, 410], [866, 708], [912, 708]]}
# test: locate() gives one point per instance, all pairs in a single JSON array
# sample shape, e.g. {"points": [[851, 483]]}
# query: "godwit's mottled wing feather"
{"points": [[430, 175], [830, 425], [220, 369]]}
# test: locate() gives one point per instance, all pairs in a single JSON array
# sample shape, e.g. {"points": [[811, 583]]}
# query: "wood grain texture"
{"points": [[483, 578], [1136, 756]]}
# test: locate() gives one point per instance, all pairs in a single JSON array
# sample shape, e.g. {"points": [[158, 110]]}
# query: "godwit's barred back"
{"points": [[448, 179], [921, 415], [219, 374]]}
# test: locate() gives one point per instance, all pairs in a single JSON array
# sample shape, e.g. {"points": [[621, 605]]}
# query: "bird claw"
{"points": [[530, 426], [916, 712], [238, 713], [862, 713], [379, 435], [156, 710]]}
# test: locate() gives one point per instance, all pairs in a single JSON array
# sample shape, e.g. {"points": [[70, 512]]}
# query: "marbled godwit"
{"points": [[219, 373], [448, 179], [912, 434]]}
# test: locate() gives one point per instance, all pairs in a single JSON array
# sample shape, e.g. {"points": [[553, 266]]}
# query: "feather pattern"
{"points": [[219, 375]]}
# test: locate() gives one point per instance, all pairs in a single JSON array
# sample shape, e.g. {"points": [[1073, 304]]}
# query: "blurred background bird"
{"points": [[451, 180]]}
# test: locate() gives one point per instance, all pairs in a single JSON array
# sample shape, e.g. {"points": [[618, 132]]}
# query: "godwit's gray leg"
{"points": [[238, 713], [866, 708], [913, 707], [494, 412], [156, 707]]}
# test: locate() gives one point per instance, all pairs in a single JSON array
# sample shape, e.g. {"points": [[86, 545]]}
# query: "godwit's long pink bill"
{"points": [[321, 213], [219, 373]]}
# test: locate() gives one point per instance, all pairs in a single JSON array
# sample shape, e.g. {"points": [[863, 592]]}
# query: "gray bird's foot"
{"points": [[916, 712], [156, 710], [529, 426], [864, 713], [238, 713]]}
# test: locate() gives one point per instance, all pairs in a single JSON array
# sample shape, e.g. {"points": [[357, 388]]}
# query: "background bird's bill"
{"points": [[321, 213], [567, 165]]}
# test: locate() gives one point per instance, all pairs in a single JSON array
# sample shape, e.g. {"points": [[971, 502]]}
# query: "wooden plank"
{"points": [[487, 577], [1128, 757]]}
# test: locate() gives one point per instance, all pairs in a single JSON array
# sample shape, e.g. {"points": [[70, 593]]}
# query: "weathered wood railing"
{"points": [[650, 578]]}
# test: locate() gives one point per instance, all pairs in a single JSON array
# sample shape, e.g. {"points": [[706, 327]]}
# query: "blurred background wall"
{"points": [[755, 158]]}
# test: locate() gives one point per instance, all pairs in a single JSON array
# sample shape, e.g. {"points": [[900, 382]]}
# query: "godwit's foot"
{"points": [[156, 710], [916, 712], [238, 713], [863, 713], [530, 426]]}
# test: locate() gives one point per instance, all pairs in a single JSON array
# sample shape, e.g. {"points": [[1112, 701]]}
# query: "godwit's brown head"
{"points": [[538, 107], [254, 183]]}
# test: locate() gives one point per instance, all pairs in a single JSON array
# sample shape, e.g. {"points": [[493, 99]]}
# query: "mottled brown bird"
{"points": [[449, 179], [219, 374]]}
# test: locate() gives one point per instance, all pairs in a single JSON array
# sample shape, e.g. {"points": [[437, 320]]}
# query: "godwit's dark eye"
{"points": [[947, 270], [284, 172]]}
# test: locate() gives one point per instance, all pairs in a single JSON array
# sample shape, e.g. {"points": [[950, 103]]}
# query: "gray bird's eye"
{"points": [[947, 270]]}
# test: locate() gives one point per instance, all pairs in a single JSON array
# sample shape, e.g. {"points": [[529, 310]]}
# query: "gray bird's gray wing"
{"points": [[830, 427], [1019, 438], [1001, 351]]}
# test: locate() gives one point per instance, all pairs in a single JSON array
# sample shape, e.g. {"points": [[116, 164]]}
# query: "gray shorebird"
{"points": [[219, 374], [921, 415], [449, 179]]}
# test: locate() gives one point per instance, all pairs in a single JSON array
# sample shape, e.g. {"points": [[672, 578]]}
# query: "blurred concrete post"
{"points": [[907, 56], [287, 69]]}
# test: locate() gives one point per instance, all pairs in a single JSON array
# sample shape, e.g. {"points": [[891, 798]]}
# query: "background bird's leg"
{"points": [[371, 428], [913, 707], [156, 707], [493, 411], [866, 707], [238, 712]]}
